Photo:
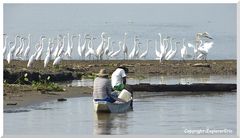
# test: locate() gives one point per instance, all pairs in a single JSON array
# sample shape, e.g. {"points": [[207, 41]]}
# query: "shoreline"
{"points": [[24, 97], [76, 69]]}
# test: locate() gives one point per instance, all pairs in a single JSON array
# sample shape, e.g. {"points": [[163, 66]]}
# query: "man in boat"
{"points": [[102, 90], [119, 80]]}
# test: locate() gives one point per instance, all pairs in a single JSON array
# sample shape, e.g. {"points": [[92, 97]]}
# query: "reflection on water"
{"points": [[105, 123], [152, 114], [163, 79]]}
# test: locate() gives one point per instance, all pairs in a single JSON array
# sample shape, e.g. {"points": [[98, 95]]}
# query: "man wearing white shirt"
{"points": [[119, 78]]}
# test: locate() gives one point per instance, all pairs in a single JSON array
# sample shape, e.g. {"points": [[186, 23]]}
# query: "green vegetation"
{"points": [[43, 84], [90, 76]]}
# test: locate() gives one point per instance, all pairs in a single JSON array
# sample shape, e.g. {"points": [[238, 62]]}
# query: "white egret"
{"points": [[16, 52], [116, 53], [39, 52], [144, 54], [48, 56], [173, 53], [26, 52], [156, 50], [106, 49], [62, 44], [12, 49], [9, 55], [5, 44], [132, 53], [32, 58], [56, 51], [68, 51], [171, 48], [84, 46], [136, 55], [90, 51], [161, 44], [57, 60], [163, 50], [110, 53], [124, 47], [22, 48], [183, 51], [100, 48], [79, 49], [195, 49]]}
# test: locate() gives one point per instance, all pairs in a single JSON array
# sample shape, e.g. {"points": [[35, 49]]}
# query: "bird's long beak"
{"points": [[209, 37]]}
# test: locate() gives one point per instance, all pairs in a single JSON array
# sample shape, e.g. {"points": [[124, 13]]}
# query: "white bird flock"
{"points": [[166, 48]]}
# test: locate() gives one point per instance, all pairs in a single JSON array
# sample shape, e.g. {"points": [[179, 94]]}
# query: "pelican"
{"points": [[144, 54], [204, 34], [124, 47], [204, 49], [117, 52]]}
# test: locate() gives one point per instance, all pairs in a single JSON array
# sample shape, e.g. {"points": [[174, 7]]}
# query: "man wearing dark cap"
{"points": [[102, 88]]}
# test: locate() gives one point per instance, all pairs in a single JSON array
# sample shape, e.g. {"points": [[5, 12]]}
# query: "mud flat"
{"points": [[74, 69], [16, 96]]}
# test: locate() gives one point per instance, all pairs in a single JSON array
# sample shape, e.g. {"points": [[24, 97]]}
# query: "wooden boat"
{"points": [[117, 107]]}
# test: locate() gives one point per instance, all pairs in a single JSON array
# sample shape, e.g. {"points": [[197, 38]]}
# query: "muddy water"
{"points": [[163, 79], [153, 114]]}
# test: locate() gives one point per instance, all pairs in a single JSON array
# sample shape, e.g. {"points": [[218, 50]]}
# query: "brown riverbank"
{"points": [[16, 96], [74, 69], [23, 95]]}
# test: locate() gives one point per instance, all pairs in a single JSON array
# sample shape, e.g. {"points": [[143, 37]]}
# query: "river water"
{"points": [[152, 114]]}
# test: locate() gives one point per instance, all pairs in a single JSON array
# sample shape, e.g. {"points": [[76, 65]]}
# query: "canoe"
{"points": [[117, 107]]}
